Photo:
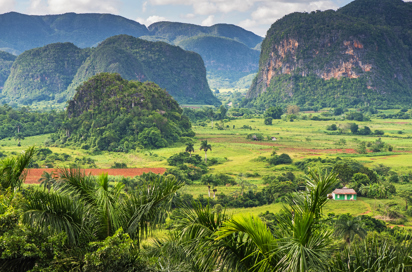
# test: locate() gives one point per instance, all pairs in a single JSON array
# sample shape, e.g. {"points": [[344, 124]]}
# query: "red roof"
{"points": [[344, 191]]}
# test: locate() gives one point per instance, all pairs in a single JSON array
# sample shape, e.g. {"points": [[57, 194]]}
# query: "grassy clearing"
{"points": [[300, 139]]}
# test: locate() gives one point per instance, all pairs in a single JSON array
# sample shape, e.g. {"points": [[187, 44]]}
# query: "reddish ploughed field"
{"points": [[35, 174]]}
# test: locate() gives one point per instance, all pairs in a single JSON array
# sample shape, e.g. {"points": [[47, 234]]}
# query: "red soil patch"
{"points": [[398, 123], [34, 175]]}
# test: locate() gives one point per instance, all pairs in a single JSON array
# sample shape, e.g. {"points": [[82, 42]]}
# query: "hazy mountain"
{"points": [[20, 32]]}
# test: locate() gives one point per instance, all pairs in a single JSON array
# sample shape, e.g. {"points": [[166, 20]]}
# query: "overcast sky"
{"points": [[254, 15]]}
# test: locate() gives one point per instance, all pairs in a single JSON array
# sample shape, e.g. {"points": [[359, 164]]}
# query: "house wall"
{"points": [[344, 197]]}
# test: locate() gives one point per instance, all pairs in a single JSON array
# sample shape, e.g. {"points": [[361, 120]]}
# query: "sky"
{"points": [[254, 15]]}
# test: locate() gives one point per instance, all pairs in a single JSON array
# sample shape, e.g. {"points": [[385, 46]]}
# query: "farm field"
{"points": [[300, 139], [34, 174]]}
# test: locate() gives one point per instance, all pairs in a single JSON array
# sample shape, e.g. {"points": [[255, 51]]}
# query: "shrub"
{"points": [[280, 159], [332, 127], [119, 165], [268, 121]]}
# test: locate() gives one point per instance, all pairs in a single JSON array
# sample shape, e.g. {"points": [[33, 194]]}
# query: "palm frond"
{"points": [[60, 212]]}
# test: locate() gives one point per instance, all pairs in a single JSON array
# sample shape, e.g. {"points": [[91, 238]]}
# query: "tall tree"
{"points": [[407, 196], [205, 147], [348, 227], [190, 148], [86, 208]]}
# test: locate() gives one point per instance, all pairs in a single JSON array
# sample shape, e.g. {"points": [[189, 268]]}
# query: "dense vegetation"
{"points": [[42, 73], [20, 123], [111, 113], [6, 61], [73, 221], [53, 72], [330, 42]]}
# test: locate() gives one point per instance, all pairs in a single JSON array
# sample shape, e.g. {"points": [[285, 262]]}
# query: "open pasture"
{"points": [[300, 139]]}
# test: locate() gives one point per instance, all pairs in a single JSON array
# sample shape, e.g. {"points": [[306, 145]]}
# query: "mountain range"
{"points": [[20, 32], [50, 74]]}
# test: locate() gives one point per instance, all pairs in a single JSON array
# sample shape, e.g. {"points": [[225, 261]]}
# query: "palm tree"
{"points": [[407, 196], [348, 228], [245, 243], [18, 137], [190, 148], [86, 208], [47, 180], [12, 169], [205, 147]]}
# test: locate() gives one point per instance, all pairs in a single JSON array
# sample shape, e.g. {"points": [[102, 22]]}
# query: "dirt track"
{"points": [[35, 174]]}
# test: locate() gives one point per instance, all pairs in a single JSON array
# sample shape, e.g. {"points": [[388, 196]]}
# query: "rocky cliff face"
{"points": [[325, 54]]}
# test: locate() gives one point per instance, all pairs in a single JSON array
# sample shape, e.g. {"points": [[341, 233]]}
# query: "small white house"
{"points": [[274, 139], [344, 194]]}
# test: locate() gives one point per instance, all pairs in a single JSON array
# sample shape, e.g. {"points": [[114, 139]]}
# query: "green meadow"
{"points": [[300, 139]]}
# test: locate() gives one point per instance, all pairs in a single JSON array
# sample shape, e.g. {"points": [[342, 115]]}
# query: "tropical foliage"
{"points": [[110, 113]]}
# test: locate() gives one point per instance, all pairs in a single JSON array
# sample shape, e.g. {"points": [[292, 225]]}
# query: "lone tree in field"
{"points": [[18, 137], [205, 147], [190, 148]]}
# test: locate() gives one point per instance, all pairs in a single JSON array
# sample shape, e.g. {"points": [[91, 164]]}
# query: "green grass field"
{"points": [[300, 139]]}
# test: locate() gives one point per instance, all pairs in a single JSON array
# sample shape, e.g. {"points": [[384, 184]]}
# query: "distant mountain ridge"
{"points": [[227, 50], [53, 72], [20, 32], [360, 54]]}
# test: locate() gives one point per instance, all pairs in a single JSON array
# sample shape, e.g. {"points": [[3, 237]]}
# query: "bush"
{"points": [[394, 179], [217, 180], [118, 165], [280, 159], [268, 121], [332, 127]]}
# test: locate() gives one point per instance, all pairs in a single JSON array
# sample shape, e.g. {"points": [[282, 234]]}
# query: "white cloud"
{"points": [[208, 21], [151, 20], [144, 6], [207, 7], [188, 16], [80, 6], [7, 5], [268, 12]]}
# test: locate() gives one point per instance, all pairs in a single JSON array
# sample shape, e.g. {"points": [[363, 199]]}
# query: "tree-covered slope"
{"points": [[180, 72], [175, 32], [227, 50], [42, 73], [53, 72], [111, 113], [6, 61], [20, 32], [224, 58], [337, 57]]}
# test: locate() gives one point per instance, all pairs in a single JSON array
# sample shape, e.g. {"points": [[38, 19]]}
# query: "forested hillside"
{"points": [[111, 113], [360, 54], [6, 61], [226, 60], [53, 72], [227, 50], [40, 74]]}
